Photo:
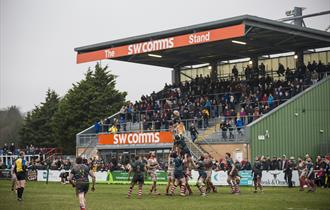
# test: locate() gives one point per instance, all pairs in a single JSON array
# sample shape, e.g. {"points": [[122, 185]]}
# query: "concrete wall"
{"points": [[219, 150]]}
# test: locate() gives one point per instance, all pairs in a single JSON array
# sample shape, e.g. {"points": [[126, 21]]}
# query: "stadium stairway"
{"points": [[195, 150], [204, 133]]}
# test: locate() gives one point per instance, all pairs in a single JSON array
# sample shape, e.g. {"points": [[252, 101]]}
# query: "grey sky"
{"points": [[37, 38]]}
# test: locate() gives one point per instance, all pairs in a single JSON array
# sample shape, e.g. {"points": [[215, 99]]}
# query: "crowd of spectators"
{"points": [[238, 100], [12, 149], [36, 153]]}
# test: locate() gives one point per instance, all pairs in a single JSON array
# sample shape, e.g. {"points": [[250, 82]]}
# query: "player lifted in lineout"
{"points": [[138, 169], [79, 179]]}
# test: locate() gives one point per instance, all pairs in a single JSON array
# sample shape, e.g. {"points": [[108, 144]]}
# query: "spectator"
{"points": [[193, 132], [281, 70], [314, 77], [230, 126], [239, 125], [270, 100], [288, 171], [97, 127], [113, 129], [234, 71], [262, 70], [12, 149], [5, 149]]}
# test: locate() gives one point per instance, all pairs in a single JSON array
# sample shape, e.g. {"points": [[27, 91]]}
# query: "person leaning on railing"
{"points": [[113, 129]]}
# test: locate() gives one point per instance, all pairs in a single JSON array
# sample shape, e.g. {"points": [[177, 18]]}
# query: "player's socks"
{"points": [[182, 190], [22, 190], [19, 192], [140, 192], [129, 192], [232, 188], [189, 189], [173, 189], [167, 188], [214, 189], [82, 208]]}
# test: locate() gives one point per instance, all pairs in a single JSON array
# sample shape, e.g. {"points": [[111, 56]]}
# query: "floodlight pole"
{"points": [[297, 12]]}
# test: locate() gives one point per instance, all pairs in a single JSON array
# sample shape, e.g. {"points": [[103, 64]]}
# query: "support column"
{"points": [[176, 76], [214, 70], [297, 11], [300, 58]]}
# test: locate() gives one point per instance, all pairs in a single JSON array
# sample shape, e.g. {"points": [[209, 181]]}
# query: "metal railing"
{"points": [[8, 160], [87, 140]]}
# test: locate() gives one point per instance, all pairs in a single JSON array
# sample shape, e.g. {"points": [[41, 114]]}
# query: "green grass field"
{"points": [[39, 196]]}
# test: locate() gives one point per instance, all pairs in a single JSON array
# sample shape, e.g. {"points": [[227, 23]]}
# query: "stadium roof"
{"points": [[227, 39]]}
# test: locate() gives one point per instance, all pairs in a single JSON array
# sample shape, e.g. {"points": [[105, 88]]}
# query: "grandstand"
{"points": [[251, 86]]}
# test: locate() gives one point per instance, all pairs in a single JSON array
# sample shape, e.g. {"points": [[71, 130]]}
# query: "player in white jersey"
{"points": [[13, 178], [152, 167], [170, 173]]}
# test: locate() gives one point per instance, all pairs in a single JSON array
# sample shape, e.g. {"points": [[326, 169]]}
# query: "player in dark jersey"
{"points": [[202, 176], [180, 146], [79, 179], [20, 170], [257, 174], [310, 177], [138, 168], [178, 175], [233, 178]]}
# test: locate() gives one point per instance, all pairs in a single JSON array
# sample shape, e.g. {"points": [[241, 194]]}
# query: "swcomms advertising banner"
{"points": [[165, 43], [135, 138], [219, 178]]}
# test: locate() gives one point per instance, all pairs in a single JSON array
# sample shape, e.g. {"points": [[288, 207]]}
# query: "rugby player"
{"points": [[257, 174], [178, 175], [188, 165], [310, 175], [79, 179], [152, 167], [13, 178], [208, 168], [138, 169], [20, 170], [170, 173], [301, 173], [233, 178], [201, 176]]}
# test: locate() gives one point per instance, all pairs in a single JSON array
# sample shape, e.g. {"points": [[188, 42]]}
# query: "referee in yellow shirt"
{"points": [[20, 171]]}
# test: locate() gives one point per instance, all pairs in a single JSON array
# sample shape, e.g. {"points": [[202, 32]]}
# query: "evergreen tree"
{"points": [[10, 123], [37, 128], [93, 98]]}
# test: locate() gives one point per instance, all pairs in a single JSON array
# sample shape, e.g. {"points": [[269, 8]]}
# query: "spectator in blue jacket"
{"points": [[270, 100], [239, 125]]}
